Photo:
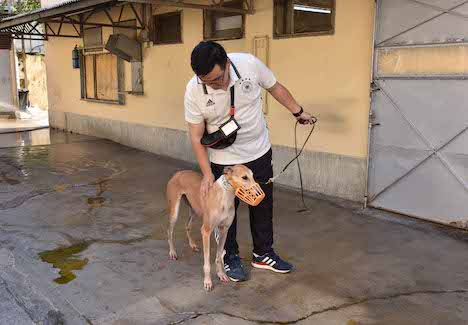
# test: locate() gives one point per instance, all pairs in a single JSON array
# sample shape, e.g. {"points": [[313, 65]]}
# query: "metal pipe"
{"points": [[369, 131], [26, 82], [422, 45], [423, 77]]}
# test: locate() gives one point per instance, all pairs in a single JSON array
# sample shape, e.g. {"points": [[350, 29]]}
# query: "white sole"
{"points": [[268, 267]]}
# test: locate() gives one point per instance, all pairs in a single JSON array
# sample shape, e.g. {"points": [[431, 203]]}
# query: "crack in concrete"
{"points": [[328, 309], [195, 315], [19, 303], [19, 200]]}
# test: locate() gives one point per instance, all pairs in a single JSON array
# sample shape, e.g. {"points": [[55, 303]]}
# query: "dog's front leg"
{"points": [[206, 233], [219, 253]]}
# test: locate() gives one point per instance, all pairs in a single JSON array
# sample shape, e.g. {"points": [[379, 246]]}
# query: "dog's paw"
{"points": [[208, 285], [223, 277], [173, 256]]}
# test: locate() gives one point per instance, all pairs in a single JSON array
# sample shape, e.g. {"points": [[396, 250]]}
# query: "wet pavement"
{"points": [[82, 241], [36, 119]]}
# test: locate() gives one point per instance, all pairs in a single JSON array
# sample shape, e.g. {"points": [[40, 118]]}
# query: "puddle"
{"points": [[65, 259]]}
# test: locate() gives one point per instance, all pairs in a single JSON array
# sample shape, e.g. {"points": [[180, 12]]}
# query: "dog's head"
{"points": [[240, 175], [241, 178]]}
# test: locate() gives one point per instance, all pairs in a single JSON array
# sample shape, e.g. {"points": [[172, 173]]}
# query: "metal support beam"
{"points": [[61, 24], [136, 14], [109, 17], [48, 27], [181, 4], [42, 35], [97, 25], [92, 12], [121, 12], [35, 29], [79, 34]]}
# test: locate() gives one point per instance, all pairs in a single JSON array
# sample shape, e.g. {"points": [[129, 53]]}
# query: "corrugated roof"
{"points": [[4, 14], [58, 5], [66, 8]]}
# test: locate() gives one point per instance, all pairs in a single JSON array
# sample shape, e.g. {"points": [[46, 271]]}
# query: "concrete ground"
{"points": [[94, 211], [38, 120]]}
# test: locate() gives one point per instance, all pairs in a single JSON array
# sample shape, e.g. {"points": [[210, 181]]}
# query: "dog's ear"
{"points": [[228, 171]]}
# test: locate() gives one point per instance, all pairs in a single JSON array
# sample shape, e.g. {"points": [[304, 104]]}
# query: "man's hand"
{"points": [[305, 118], [206, 184]]}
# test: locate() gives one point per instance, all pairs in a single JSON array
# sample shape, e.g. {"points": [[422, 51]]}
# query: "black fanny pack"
{"points": [[226, 133]]}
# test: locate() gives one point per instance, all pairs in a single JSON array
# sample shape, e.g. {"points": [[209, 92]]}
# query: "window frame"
{"points": [[120, 81], [306, 34], [155, 32], [242, 36]]}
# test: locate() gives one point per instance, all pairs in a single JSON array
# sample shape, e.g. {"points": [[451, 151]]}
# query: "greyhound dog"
{"points": [[216, 210]]}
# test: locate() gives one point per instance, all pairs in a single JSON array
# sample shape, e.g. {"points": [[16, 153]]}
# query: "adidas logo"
{"points": [[210, 103]]}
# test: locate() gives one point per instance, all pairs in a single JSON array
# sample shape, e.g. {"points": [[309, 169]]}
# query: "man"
{"points": [[207, 106]]}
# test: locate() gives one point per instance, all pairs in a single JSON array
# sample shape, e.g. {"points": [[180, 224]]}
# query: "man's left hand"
{"points": [[305, 118]]}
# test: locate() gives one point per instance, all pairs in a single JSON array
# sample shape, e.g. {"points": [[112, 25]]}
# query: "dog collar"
{"points": [[224, 182]]}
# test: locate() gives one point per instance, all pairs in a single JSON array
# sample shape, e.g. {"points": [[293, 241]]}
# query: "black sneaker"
{"points": [[233, 268], [271, 261]]}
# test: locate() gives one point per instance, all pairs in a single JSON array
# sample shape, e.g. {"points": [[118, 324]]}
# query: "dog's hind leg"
{"points": [[174, 205], [188, 228]]}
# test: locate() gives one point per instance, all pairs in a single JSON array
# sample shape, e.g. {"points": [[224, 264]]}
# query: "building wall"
{"points": [[328, 75], [37, 80], [7, 91]]}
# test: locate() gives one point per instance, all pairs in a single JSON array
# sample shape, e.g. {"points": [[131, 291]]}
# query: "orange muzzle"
{"points": [[252, 195]]}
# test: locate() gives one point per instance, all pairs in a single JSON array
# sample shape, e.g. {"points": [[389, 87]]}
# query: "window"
{"points": [[303, 17], [99, 78], [167, 28], [223, 25]]}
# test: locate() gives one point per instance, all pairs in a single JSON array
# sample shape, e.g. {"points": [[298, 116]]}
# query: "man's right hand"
{"points": [[206, 184]]}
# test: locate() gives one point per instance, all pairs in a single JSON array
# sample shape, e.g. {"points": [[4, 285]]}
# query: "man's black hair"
{"points": [[206, 55]]}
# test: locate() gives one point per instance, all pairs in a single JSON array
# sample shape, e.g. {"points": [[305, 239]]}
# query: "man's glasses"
{"points": [[215, 81]]}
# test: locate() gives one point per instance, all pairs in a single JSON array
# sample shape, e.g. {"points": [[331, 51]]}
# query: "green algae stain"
{"points": [[65, 259]]}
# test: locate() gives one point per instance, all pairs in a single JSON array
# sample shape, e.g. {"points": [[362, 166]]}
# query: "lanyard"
{"points": [[233, 108]]}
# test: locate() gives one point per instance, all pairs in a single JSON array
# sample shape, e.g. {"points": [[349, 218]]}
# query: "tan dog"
{"points": [[216, 209]]}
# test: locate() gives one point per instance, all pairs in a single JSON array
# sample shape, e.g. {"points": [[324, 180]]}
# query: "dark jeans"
{"points": [[261, 216]]}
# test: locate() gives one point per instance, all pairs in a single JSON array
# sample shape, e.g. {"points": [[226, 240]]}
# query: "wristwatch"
{"points": [[299, 113]]}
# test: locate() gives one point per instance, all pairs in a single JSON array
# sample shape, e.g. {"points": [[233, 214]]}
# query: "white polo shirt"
{"points": [[213, 106]]}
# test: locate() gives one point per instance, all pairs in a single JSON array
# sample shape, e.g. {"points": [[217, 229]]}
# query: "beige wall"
{"points": [[328, 75], [37, 80]]}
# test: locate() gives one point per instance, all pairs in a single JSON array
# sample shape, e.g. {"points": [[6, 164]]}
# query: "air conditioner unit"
{"points": [[124, 47]]}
